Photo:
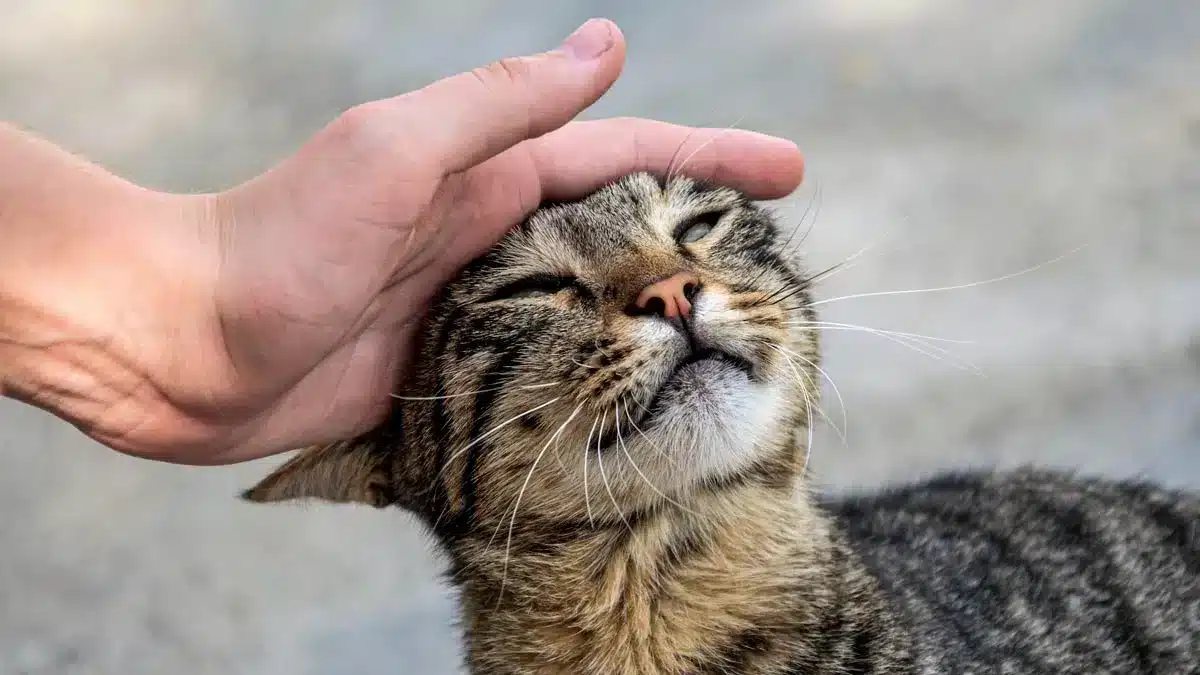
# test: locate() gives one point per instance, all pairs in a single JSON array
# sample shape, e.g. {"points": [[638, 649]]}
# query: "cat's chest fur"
{"points": [[766, 588]]}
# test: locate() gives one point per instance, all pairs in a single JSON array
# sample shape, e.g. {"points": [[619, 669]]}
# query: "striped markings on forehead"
{"points": [[617, 228]]}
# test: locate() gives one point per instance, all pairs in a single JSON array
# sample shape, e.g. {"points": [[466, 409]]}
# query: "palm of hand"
{"points": [[317, 332]]}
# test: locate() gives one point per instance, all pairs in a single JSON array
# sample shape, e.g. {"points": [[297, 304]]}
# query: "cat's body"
{"points": [[606, 434], [1035, 572]]}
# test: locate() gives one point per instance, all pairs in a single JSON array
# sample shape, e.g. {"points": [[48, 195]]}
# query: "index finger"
{"points": [[583, 156]]}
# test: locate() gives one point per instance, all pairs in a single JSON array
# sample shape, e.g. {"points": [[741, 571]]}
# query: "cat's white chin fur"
{"points": [[717, 437], [713, 423]]}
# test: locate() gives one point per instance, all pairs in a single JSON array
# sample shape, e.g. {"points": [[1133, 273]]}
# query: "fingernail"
{"points": [[590, 40]]}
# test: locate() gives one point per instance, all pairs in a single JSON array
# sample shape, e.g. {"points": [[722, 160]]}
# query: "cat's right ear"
{"points": [[357, 471]]}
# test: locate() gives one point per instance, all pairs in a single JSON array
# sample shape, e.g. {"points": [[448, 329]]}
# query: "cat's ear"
{"points": [[348, 472]]}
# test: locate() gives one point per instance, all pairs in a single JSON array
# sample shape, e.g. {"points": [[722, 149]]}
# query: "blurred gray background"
{"points": [[960, 140]]}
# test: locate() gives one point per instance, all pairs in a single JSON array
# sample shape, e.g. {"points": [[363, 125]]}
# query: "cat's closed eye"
{"points": [[532, 293], [698, 227], [533, 287]]}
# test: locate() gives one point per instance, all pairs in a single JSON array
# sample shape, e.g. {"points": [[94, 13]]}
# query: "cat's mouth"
{"points": [[691, 378], [714, 355], [690, 383]]}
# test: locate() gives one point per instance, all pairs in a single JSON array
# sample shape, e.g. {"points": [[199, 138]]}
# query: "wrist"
{"points": [[91, 268]]}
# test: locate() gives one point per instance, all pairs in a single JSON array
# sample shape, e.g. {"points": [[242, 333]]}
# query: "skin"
{"points": [[217, 328]]}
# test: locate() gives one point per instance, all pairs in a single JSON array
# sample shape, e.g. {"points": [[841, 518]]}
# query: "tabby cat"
{"points": [[606, 433]]}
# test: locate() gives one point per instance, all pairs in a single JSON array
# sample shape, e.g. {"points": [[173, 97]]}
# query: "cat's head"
{"points": [[632, 350]]}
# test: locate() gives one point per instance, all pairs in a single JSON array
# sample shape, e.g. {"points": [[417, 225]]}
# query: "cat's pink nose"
{"points": [[670, 298]]}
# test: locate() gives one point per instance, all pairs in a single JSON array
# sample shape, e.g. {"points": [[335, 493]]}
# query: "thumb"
{"points": [[468, 118]]}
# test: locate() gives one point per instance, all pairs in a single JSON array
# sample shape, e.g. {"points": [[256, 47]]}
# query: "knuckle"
{"points": [[512, 70], [363, 126], [510, 80], [374, 132]]}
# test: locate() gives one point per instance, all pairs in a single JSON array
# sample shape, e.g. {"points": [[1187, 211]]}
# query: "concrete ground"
{"points": [[963, 140]]}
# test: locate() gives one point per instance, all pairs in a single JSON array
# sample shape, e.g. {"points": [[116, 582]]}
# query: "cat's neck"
{"points": [[741, 583]]}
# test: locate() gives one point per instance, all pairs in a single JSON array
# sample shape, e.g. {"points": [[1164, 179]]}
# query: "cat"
{"points": [[606, 433]]}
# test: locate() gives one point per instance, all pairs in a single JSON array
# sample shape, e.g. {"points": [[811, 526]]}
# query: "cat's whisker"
{"points": [[784, 248], [528, 477], [809, 280], [900, 337], [473, 393], [911, 341], [808, 408], [625, 449], [638, 404], [834, 325], [808, 405], [935, 353], [845, 265], [792, 289], [808, 447], [604, 479], [841, 402], [587, 451], [814, 202], [656, 447], [584, 365], [596, 344], [950, 288], [667, 175], [441, 514], [484, 436], [784, 286], [829, 272], [554, 452], [682, 165], [763, 272]]}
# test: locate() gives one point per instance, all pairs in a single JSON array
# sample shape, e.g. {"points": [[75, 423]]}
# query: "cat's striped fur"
{"points": [[618, 494]]}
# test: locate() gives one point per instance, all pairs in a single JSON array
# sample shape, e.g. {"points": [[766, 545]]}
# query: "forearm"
{"points": [[76, 247]]}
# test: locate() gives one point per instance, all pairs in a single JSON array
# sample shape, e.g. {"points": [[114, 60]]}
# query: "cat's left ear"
{"points": [[355, 471]]}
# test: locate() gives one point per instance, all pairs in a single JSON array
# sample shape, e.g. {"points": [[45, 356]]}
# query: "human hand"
{"points": [[302, 291]]}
